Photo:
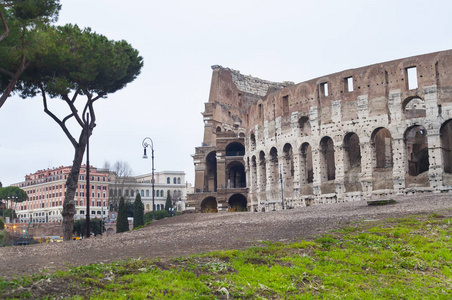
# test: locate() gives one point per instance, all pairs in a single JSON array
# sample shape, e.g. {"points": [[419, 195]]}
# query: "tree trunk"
{"points": [[71, 188]]}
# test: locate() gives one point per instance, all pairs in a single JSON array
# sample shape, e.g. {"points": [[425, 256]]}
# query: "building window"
{"points": [[178, 180], [324, 89], [147, 193], [168, 180], [348, 82], [174, 180], [142, 193], [412, 78]]}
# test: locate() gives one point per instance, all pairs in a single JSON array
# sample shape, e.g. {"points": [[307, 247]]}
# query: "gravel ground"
{"points": [[196, 233]]}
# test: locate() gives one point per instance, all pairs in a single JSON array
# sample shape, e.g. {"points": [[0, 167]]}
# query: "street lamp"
{"points": [[151, 145]]}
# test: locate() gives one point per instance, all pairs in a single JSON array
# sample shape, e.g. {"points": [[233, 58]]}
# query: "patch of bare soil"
{"points": [[197, 233]]}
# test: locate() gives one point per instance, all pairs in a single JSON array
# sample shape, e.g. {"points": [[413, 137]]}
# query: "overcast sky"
{"points": [[180, 40]]}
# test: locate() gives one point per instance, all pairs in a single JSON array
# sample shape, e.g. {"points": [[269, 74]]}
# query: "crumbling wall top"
{"points": [[253, 85]]}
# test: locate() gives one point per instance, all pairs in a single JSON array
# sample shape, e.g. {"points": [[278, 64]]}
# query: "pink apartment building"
{"points": [[46, 190]]}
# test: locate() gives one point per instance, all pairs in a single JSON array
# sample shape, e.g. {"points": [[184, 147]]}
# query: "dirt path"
{"points": [[197, 233]]}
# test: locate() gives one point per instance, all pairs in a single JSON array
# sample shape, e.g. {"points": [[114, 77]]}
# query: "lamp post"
{"points": [[151, 145], [282, 187]]}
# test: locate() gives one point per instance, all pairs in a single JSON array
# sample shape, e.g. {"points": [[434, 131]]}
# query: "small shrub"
{"points": [[159, 214], [2, 224], [2, 238]]}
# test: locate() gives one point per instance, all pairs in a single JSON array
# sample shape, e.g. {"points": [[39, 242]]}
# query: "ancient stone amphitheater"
{"points": [[367, 133]]}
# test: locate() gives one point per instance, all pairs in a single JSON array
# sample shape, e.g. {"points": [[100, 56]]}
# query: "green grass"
{"points": [[407, 258]]}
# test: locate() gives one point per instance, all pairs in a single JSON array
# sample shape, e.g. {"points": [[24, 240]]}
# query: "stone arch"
{"points": [[303, 92], [446, 145], [327, 162], [352, 152], [382, 142], [262, 169], [352, 163], [235, 149], [235, 172], [253, 173], [218, 129], [237, 202], [253, 141], [273, 167], [209, 205], [288, 169], [210, 182], [305, 126], [416, 145], [414, 107], [307, 168]]}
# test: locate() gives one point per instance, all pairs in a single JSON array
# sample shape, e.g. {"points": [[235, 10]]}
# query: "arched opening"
{"points": [[253, 141], [307, 169], [210, 181], [262, 170], [237, 202], [328, 166], [218, 129], [414, 107], [382, 142], [352, 163], [305, 126], [288, 170], [417, 150], [446, 145], [253, 168], [235, 149], [274, 172], [352, 152], [382, 176], [236, 175], [209, 205]]}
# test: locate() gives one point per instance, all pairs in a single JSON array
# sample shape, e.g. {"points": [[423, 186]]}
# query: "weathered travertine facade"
{"points": [[365, 133]]}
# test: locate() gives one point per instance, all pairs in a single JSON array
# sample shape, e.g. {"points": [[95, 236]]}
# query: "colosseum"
{"points": [[367, 133]]}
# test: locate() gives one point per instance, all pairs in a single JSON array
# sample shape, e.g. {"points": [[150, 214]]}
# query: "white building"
{"points": [[172, 182]]}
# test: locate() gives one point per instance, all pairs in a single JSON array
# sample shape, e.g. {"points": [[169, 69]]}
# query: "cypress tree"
{"points": [[138, 212], [121, 223], [168, 203]]}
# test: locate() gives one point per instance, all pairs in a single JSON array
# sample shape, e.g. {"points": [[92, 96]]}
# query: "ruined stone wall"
{"points": [[378, 106], [370, 132]]}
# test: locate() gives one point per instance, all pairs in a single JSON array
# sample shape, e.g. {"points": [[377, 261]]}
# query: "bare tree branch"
{"points": [[2, 17], [12, 83], [6, 72], [74, 109], [58, 121]]}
